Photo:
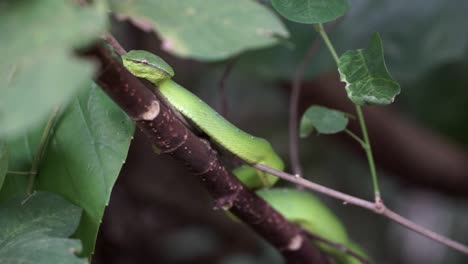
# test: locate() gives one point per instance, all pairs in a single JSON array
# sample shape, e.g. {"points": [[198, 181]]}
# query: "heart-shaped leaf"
{"points": [[366, 76]]}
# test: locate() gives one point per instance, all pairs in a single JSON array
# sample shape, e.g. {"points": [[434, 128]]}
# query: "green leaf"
{"points": [[3, 161], [323, 119], [207, 29], [307, 211], [311, 11], [35, 229], [83, 158], [366, 76], [38, 70]]}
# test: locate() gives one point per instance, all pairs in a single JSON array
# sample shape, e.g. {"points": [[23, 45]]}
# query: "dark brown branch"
{"points": [[167, 132]]}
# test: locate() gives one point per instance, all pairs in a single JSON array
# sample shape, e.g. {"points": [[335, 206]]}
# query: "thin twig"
{"points": [[40, 150], [338, 246], [294, 103], [224, 109], [378, 208], [294, 108]]}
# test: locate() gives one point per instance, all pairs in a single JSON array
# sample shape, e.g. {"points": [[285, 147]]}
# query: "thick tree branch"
{"points": [[167, 132]]}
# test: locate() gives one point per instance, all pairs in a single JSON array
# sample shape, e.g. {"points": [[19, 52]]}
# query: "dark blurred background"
{"points": [[159, 213]]}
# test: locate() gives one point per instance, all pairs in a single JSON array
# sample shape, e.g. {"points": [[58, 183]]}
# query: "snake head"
{"points": [[146, 65]]}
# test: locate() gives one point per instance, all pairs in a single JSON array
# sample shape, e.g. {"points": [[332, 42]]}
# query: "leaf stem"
{"points": [[40, 151], [366, 144], [324, 35], [370, 157], [355, 137]]}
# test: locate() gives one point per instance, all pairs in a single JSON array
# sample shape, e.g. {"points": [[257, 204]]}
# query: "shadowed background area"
{"points": [[160, 214]]}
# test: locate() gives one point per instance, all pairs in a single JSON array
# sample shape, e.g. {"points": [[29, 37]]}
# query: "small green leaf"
{"points": [[35, 229], [311, 11], [366, 76], [3, 162], [206, 29], [323, 119]]}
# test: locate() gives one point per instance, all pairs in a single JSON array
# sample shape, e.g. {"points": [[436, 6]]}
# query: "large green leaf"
{"points": [[85, 156], [366, 76], [83, 159], [323, 119], [311, 11], [207, 29], [37, 68], [35, 229], [3, 162]]}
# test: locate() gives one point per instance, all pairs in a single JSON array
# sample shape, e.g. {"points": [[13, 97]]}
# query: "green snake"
{"points": [[297, 206], [251, 149]]}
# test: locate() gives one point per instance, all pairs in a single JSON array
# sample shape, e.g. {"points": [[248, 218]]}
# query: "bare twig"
{"points": [[224, 109], [378, 208], [293, 108], [294, 103]]}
